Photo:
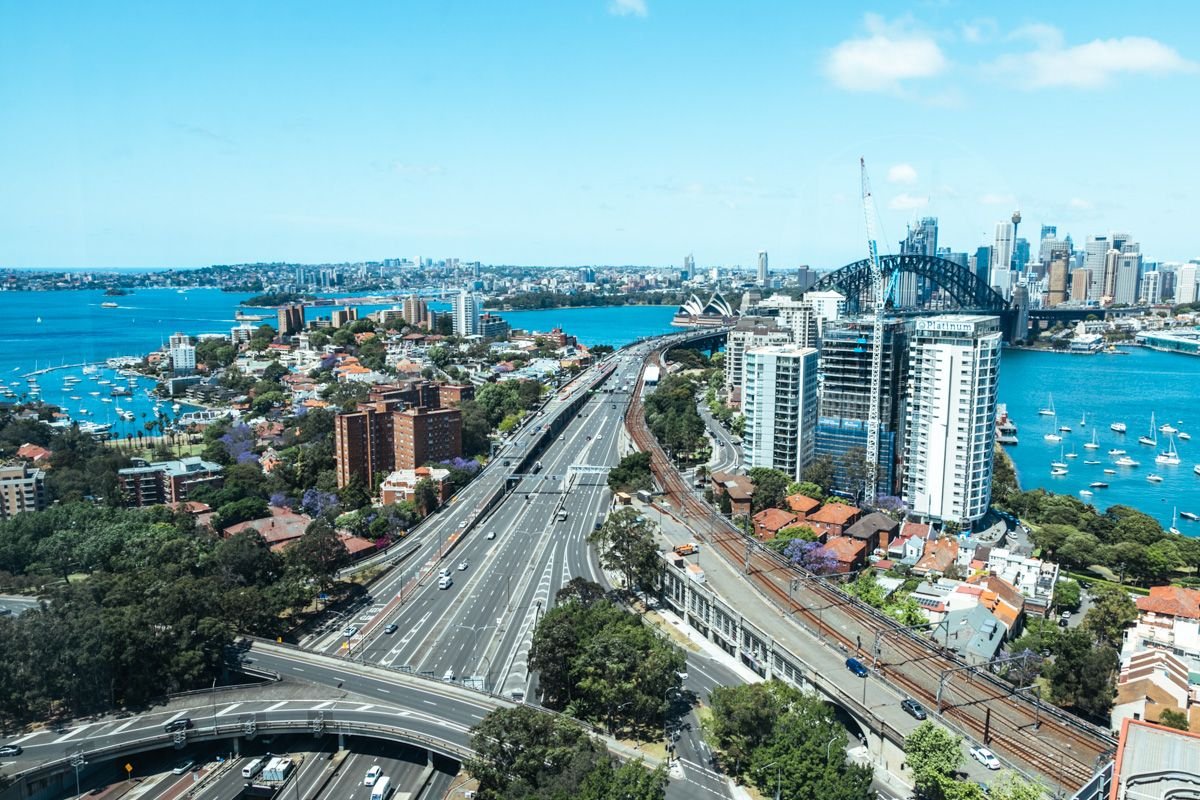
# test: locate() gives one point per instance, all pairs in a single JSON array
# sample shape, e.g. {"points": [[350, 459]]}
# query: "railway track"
{"points": [[1064, 749]]}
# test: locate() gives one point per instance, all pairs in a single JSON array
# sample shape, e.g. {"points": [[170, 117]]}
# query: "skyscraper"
{"points": [[921, 240], [1058, 279], [797, 316], [1185, 284], [1127, 276], [1151, 291], [762, 267], [845, 364], [1097, 248], [954, 363], [780, 404], [983, 264], [749, 333], [1001, 266], [467, 307]]}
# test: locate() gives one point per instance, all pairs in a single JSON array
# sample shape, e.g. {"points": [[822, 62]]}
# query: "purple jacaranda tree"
{"points": [[238, 441], [811, 556], [281, 500], [315, 502]]}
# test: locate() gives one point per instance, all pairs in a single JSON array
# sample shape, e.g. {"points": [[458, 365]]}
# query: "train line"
{"points": [[1063, 748]]}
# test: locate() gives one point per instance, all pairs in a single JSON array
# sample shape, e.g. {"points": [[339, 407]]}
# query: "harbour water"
{"points": [[1104, 389], [1120, 388]]}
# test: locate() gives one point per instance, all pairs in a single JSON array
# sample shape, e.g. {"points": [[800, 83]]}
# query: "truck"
{"points": [[687, 549], [278, 769], [695, 573], [644, 496]]}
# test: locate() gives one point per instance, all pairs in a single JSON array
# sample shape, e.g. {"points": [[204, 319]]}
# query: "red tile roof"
{"points": [[1171, 601], [844, 549], [834, 514], [802, 504], [773, 519], [33, 452]]}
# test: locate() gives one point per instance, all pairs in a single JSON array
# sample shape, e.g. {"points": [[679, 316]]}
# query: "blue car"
{"points": [[857, 667]]}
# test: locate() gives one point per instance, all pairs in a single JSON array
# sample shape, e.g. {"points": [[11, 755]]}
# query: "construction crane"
{"points": [[877, 294]]}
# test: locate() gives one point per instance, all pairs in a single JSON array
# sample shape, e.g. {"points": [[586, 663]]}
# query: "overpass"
{"points": [[981, 707], [336, 699]]}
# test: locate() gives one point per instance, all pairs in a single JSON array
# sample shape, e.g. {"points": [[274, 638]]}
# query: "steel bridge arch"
{"points": [[963, 286]]}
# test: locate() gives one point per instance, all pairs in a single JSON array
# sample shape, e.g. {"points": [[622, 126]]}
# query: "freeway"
{"points": [[506, 571]]}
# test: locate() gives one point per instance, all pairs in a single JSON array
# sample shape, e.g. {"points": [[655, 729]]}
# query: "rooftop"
{"points": [[1171, 601]]}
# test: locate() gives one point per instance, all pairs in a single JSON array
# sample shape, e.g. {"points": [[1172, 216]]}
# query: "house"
{"points": [[938, 557], [974, 633], [398, 486], [279, 530], [802, 505], [1033, 577], [1168, 618], [874, 530], [906, 549], [739, 488], [1154, 761], [769, 522], [1151, 682], [848, 552], [832, 519], [32, 452]]}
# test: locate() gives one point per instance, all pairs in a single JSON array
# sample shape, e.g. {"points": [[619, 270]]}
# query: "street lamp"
{"points": [[827, 746], [666, 716], [778, 783], [77, 761]]}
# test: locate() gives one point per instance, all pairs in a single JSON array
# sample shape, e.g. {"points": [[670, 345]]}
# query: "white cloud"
{"points": [[978, 31], [994, 199], [880, 61], [902, 173], [1090, 65], [627, 8], [1079, 203], [907, 202]]}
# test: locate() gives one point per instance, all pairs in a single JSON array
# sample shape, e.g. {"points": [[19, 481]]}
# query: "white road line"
{"points": [[227, 709], [385, 691], [26, 737], [80, 730], [319, 706], [297, 669], [278, 705], [366, 706], [120, 728]]}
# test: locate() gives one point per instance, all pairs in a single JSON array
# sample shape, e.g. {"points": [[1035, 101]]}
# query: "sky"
{"points": [[586, 131]]}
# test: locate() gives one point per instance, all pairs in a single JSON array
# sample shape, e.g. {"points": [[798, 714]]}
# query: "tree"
{"points": [[1067, 595], [1110, 614], [1011, 786], [743, 718], [425, 497], [853, 464], [319, 553], [626, 542], [631, 474], [821, 472], [934, 755], [517, 750], [808, 489], [1172, 718], [770, 488], [1081, 673]]}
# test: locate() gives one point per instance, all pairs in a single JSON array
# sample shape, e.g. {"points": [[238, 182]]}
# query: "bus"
{"points": [[381, 789]]}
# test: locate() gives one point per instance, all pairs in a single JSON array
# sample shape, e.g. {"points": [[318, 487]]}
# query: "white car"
{"points": [[373, 774], [985, 757], [462, 565], [350, 631], [183, 767], [491, 535]]}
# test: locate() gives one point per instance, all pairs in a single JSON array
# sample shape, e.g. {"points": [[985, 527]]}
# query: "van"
{"points": [[381, 789], [562, 516], [445, 581], [253, 768], [857, 667]]}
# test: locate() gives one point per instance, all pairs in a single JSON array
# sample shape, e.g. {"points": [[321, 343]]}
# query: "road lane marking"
{"points": [[122, 727], [227, 709], [81, 729], [325, 704], [278, 705]]}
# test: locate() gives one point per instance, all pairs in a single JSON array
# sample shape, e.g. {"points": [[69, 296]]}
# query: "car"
{"points": [[373, 774], [985, 757], [350, 630], [462, 565], [857, 667], [913, 708], [391, 628], [182, 767], [444, 572], [177, 725], [11, 750], [1064, 622], [445, 582], [492, 534]]}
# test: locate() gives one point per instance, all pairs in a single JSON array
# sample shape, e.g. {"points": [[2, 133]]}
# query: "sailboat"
{"points": [[1174, 521], [1048, 411], [1170, 455], [1060, 464], [1083, 420], [1152, 439], [1093, 444]]}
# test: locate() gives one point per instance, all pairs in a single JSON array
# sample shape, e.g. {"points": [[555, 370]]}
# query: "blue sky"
{"points": [[585, 131]]}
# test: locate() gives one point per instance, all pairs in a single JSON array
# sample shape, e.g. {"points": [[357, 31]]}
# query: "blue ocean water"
{"points": [[615, 325], [1105, 389]]}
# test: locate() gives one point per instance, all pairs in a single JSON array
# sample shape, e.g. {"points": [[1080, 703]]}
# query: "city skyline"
{"points": [[622, 132]]}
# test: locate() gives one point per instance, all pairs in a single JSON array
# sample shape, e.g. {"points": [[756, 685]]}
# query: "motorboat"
{"points": [[1167, 428], [1116, 451], [1126, 461], [1098, 485], [1065, 428], [1190, 516], [1110, 472], [1093, 462], [1154, 478], [1084, 493], [1058, 471], [1119, 427], [1184, 435]]}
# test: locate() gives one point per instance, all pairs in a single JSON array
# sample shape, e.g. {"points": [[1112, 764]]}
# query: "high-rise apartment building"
{"points": [[1001, 266], [467, 308], [828, 304], [22, 488], [749, 333], [762, 267], [423, 435], [1185, 283], [183, 355], [343, 316], [797, 316], [954, 365], [1095, 255], [1058, 279], [1081, 285], [1151, 291], [289, 319], [1128, 273], [845, 370], [364, 443], [780, 404], [415, 312]]}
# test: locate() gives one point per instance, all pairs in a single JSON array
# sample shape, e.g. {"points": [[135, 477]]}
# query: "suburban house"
{"points": [[769, 522]]}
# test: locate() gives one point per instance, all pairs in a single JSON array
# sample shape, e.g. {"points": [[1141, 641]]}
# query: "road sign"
{"points": [[323, 596], [129, 767]]}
